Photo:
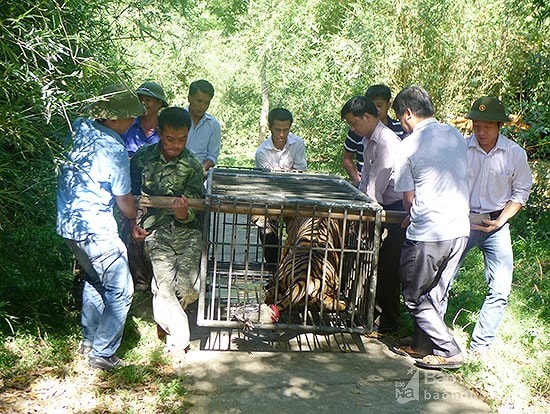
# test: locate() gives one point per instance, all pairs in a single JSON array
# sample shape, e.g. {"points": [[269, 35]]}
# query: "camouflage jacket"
{"points": [[151, 174]]}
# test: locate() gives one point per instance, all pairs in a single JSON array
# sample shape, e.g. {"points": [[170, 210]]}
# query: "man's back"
{"points": [[97, 170], [433, 164]]}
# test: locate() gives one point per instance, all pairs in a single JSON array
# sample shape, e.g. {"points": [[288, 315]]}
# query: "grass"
{"points": [[37, 373], [516, 375]]}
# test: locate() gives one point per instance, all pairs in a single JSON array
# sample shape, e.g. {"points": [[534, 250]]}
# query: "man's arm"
{"points": [[509, 211], [127, 205], [408, 198], [214, 146], [380, 171], [351, 168], [207, 164], [300, 162], [261, 160]]}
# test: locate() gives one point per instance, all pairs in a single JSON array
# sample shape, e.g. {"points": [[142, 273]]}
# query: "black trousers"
{"points": [[140, 265], [388, 286]]}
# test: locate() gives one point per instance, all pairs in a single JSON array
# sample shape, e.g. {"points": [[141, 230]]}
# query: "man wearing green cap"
{"points": [[93, 176], [144, 129], [500, 182]]}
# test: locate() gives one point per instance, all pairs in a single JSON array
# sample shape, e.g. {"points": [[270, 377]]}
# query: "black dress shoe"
{"points": [[106, 363]]}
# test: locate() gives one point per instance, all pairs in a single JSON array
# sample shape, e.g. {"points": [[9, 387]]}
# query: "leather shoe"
{"points": [[106, 363]]}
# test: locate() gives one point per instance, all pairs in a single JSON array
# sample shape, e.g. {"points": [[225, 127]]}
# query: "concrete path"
{"points": [[251, 378]]}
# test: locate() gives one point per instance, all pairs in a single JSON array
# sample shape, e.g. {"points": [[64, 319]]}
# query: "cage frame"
{"points": [[284, 204]]}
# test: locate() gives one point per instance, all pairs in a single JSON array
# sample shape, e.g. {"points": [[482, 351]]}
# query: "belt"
{"points": [[493, 214]]}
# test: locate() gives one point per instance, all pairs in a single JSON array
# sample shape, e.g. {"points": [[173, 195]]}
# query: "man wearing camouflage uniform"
{"points": [[173, 237]]}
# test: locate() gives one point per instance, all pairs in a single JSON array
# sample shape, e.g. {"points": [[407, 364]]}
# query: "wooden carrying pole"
{"points": [[198, 204]]}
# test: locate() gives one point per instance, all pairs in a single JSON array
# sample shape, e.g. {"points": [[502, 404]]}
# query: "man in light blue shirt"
{"points": [[204, 139], [431, 171], [94, 175]]}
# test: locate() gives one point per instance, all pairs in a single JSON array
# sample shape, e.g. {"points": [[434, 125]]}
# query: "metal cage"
{"points": [[248, 221]]}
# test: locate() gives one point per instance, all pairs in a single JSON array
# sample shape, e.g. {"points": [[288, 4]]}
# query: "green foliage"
{"points": [[311, 56], [315, 56], [47, 71], [534, 95], [36, 286]]}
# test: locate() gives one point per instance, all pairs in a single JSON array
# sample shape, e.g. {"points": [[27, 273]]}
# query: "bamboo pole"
{"points": [[198, 204]]}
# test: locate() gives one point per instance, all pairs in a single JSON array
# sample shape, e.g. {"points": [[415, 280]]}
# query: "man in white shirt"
{"points": [[431, 171], [282, 150], [500, 183]]}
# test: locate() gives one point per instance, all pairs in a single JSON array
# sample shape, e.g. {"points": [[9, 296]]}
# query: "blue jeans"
{"points": [[499, 267], [107, 293]]}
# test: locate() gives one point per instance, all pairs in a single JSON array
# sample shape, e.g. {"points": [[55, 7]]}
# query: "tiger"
{"points": [[311, 248]]}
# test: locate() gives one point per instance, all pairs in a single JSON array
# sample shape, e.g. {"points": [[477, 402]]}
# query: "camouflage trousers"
{"points": [[175, 253]]}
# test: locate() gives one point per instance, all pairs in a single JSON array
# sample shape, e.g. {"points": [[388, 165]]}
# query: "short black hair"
{"points": [[279, 114], [414, 98], [378, 91], [201, 85], [358, 106], [174, 117]]}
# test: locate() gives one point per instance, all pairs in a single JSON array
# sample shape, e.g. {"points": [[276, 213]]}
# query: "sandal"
{"points": [[437, 362], [407, 350]]}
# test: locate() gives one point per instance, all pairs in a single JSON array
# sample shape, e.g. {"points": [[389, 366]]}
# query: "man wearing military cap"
{"points": [[144, 129], [93, 176], [500, 183]]}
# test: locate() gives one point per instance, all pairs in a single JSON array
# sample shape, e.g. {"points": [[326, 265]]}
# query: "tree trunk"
{"points": [[265, 101]]}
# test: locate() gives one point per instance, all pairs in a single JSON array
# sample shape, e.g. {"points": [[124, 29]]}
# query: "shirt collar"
{"points": [[424, 123], [291, 139], [108, 131], [203, 119], [500, 145]]}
